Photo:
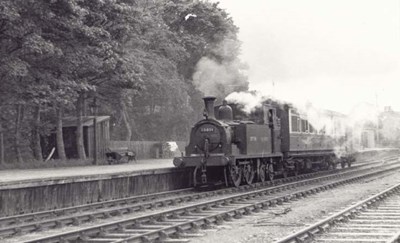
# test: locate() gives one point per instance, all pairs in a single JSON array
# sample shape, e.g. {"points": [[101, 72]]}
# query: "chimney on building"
{"points": [[388, 109]]}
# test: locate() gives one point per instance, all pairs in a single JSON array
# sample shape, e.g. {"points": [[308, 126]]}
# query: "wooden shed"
{"points": [[69, 134]]}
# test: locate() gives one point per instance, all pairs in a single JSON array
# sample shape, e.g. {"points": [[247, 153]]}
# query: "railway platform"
{"points": [[31, 190], [24, 176]]}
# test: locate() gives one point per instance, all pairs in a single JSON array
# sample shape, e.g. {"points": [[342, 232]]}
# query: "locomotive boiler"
{"points": [[231, 147]]}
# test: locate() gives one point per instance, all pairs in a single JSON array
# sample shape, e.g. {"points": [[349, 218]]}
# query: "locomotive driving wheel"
{"points": [[235, 174], [343, 164], [332, 163], [248, 172], [261, 172], [296, 171], [270, 172], [285, 173]]}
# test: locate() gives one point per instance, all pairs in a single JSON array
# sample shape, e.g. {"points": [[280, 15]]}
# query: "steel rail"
{"points": [[18, 224], [308, 234], [61, 220], [127, 226], [4, 221], [19, 219]]}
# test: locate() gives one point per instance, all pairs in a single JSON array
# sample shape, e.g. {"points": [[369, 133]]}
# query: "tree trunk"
{"points": [[125, 120], [1, 147], [1, 143], [17, 145], [37, 148], [59, 134], [79, 128], [135, 129]]}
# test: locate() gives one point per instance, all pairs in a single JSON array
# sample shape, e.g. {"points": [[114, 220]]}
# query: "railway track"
{"points": [[181, 221], [376, 219], [27, 223]]}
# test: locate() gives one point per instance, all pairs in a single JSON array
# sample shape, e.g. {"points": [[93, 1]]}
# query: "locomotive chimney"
{"points": [[209, 105]]}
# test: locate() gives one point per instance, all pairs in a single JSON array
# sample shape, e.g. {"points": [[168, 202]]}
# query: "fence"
{"points": [[150, 149]]}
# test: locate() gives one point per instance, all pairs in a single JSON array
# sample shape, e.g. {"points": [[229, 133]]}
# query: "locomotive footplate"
{"points": [[193, 161]]}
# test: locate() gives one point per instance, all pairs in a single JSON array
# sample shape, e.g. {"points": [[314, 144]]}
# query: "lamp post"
{"points": [[94, 107]]}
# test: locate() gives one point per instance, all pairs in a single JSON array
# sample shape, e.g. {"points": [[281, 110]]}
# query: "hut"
{"points": [[69, 135]]}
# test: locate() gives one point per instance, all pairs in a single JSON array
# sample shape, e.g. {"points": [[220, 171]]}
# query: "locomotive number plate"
{"points": [[207, 129]]}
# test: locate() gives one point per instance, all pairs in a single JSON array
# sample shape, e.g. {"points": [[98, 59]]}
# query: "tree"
{"points": [[55, 49], [140, 59], [179, 36]]}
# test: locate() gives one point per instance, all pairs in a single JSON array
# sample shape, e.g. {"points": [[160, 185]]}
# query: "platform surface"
{"points": [[18, 175]]}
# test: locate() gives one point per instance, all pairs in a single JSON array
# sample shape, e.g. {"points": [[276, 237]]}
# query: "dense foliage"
{"points": [[144, 62]]}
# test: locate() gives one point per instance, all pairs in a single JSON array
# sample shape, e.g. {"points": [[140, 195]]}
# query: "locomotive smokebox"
{"points": [[209, 105]]}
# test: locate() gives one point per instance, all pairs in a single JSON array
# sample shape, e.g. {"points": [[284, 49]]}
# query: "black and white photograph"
{"points": [[197, 121]]}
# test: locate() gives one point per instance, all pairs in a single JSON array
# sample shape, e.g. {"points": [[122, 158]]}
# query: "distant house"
{"points": [[368, 138], [389, 127], [69, 135]]}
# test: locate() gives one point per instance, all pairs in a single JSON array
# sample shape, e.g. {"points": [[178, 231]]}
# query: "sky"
{"points": [[333, 53]]}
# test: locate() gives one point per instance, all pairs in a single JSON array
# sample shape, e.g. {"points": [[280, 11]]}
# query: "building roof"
{"points": [[87, 121], [391, 114]]}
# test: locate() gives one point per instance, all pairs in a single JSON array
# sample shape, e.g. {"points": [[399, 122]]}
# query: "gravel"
{"points": [[277, 222]]}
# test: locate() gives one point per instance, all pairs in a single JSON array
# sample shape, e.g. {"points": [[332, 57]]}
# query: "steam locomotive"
{"points": [[231, 147]]}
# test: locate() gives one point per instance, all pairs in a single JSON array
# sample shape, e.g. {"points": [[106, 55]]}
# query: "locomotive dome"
{"points": [[225, 111]]}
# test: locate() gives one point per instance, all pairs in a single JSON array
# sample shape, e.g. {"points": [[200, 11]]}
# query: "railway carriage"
{"points": [[231, 147]]}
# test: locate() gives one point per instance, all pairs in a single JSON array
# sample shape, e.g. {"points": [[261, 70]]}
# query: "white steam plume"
{"points": [[219, 78], [248, 100], [211, 77], [332, 123]]}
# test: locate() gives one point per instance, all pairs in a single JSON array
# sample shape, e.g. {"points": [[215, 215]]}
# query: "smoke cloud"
{"points": [[319, 118], [223, 74], [335, 124], [248, 100], [212, 78]]}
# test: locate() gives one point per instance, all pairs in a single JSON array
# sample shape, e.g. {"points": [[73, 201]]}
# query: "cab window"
{"points": [[295, 120], [304, 125]]}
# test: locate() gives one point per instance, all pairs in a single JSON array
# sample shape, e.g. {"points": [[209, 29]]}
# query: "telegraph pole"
{"points": [[377, 120]]}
